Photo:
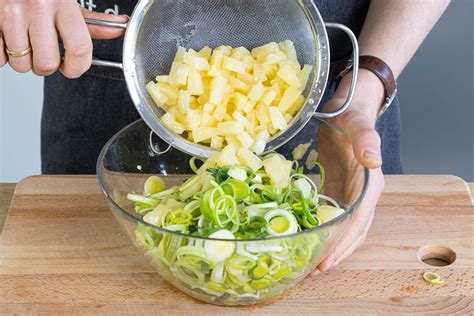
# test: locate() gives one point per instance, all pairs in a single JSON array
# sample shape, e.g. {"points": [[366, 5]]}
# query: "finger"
{"points": [[76, 39], [364, 138], [44, 40], [104, 32], [15, 35], [361, 222], [3, 55]]}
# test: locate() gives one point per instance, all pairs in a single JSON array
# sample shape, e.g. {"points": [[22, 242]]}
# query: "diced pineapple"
{"points": [[171, 92], [217, 142], [240, 53], [205, 52], [249, 107], [233, 65], [202, 134], [226, 50], [227, 157], [289, 76], [219, 112], [297, 105], [179, 54], [260, 141], [262, 71], [218, 89], [288, 47], [263, 114], [203, 99], [216, 63], [288, 117], [247, 78], [288, 99], [192, 59], [229, 128], [261, 52], [207, 120], [184, 101], [164, 79], [304, 74], [275, 58], [278, 169], [268, 97], [158, 97], [252, 118], [249, 63], [249, 159], [239, 117], [256, 92], [193, 118], [240, 101], [208, 108], [245, 139], [278, 121], [195, 83], [238, 85], [170, 122]]}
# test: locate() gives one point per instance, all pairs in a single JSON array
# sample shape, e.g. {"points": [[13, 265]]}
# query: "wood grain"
{"points": [[63, 252], [6, 194]]}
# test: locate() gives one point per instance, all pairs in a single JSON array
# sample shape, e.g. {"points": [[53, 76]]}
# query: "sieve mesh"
{"points": [[168, 24]]}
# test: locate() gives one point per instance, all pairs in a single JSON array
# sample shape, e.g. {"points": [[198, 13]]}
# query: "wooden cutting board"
{"points": [[63, 252]]}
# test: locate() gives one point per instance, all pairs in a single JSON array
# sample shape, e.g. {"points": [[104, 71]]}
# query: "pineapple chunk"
{"points": [[278, 169], [290, 96], [165, 79], [240, 53], [217, 142], [278, 121], [249, 159], [158, 97], [275, 58], [240, 101], [184, 101], [230, 128], [269, 97], [297, 105], [205, 52], [219, 112], [226, 50], [288, 117], [245, 139], [260, 142], [171, 92], [304, 74], [249, 107], [227, 157], [195, 83], [207, 120], [218, 89], [263, 114], [238, 85], [256, 92], [179, 54], [247, 78], [208, 108], [239, 117], [192, 59], [203, 134], [233, 65], [170, 122], [193, 119], [289, 76], [216, 63], [261, 52]]}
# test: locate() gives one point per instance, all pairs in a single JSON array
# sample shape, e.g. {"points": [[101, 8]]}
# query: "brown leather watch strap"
{"points": [[384, 73]]}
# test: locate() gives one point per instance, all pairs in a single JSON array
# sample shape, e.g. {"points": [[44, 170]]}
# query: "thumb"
{"points": [[104, 32], [360, 129]]}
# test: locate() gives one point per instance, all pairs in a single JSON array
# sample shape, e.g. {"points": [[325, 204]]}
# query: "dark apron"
{"points": [[81, 115]]}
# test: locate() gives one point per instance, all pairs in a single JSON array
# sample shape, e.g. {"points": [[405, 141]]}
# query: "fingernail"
{"points": [[373, 155], [330, 264], [315, 272]]}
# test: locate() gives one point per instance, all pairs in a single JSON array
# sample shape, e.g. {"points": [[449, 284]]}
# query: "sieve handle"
{"points": [[100, 62], [355, 72]]}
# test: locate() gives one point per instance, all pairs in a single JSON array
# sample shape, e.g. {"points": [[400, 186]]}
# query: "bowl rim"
{"points": [[106, 147]]}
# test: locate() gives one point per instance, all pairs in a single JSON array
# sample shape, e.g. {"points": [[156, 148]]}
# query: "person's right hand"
{"points": [[37, 23]]}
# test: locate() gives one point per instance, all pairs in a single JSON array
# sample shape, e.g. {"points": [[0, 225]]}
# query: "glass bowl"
{"points": [[124, 165]]}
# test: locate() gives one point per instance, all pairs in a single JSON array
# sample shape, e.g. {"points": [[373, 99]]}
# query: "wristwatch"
{"points": [[379, 68]]}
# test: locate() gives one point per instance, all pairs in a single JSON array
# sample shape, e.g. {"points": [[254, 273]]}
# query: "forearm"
{"points": [[394, 30]]}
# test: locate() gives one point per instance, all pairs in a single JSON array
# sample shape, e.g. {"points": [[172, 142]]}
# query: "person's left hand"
{"points": [[344, 153]]}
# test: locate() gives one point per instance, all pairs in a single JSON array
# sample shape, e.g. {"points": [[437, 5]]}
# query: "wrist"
{"points": [[369, 93]]}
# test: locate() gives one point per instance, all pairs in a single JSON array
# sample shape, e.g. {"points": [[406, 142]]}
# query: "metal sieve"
{"points": [[157, 28]]}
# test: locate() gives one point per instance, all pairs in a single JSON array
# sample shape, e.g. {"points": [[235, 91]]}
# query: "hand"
{"points": [[356, 145], [38, 23]]}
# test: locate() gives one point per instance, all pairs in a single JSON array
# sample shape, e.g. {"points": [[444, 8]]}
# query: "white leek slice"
{"points": [[218, 250], [281, 223]]}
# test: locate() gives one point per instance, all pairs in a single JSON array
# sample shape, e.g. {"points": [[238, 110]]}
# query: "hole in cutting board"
{"points": [[437, 256]]}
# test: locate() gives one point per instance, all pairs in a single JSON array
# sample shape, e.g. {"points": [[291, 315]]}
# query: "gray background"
{"points": [[435, 92]]}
